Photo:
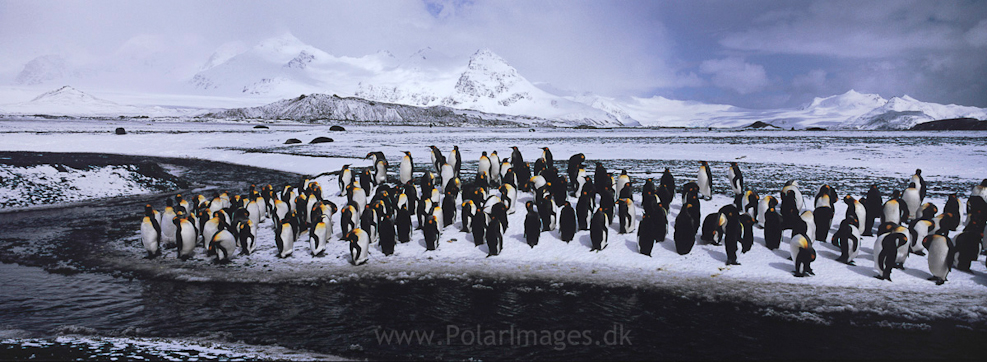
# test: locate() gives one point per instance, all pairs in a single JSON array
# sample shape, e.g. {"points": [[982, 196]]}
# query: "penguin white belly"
{"points": [[912, 201], [892, 213], [317, 238], [902, 253], [359, 250], [150, 237], [860, 211], [405, 171], [188, 239], [705, 186], [762, 207], [223, 244], [921, 231], [854, 247], [168, 230], [483, 167], [447, 175], [810, 223], [878, 248], [939, 265], [209, 230], [287, 241]]}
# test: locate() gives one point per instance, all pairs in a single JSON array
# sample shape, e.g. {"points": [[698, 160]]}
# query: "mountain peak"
{"points": [[287, 40], [66, 93], [850, 99], [487, 57]]}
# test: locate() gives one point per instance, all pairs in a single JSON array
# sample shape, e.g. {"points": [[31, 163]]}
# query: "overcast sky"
{"points": [[756, 54]]}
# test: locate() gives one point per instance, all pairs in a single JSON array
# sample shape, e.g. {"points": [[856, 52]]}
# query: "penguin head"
{"points": [[169, 203], [918, 171], [148, 211]]}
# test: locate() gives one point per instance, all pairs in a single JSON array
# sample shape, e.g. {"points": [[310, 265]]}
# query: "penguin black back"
{"points": [[567, 222], [385, 230], [598, 230], [646, 235], [685, 233], [404, 225], [532, 225], [772, 229]]}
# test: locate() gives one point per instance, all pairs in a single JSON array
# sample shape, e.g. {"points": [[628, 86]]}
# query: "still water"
{"points": [[460, 320]]}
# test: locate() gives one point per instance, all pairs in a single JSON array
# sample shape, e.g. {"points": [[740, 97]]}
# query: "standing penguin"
{"points": [[478, 227], [456, 160], [772, 229], [913, 201], [793, 185], [803, 255], [404, 225], [184, 237], [532, 225], [919, 183], [646, 235], [705, 181], [567, 222], [892, 211], [768, 202], [246, 236], [735, 178], [151, 232], [667, 182], [169, 228], [575, 161], [823, 221], [437, 158], [385, 231], [874, 206], [601, 179], [732, 232], [622, 181], [685, 232], [284, 234], [494, 236], [494, 168], [483, 166], [747, 232], [407, 165], [940, 259], [847, 237], [584, 211], [886, 252], [318, 234], [223, 243], [431, 231], [359, 246], [918, 229], [628, 216], [599, 230]]}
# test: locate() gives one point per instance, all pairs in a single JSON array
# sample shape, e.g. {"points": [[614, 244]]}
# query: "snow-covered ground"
{"points": [[952, 162], [48, 184]]}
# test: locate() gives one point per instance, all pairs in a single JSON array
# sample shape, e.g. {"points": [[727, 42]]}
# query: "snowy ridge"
{"points": [[68, 101], [323, 107]]}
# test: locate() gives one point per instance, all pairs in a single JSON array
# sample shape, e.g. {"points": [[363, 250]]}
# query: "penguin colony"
{"points": [[225, 225]]}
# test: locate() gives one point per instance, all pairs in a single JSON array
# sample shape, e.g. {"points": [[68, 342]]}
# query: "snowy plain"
{"points": [[951, 160]]}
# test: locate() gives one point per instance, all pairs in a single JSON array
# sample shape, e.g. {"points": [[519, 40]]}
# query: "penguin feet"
{"points": [[807, 271], [881, 277], [851, 263], [900, 266], [932, 278], [798, 275], [940, 281], [732, 262]]}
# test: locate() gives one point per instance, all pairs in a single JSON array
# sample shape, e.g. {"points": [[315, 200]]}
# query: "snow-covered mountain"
{"points": [[850, 110], [68, 101], [324, 108], [285, 67]]}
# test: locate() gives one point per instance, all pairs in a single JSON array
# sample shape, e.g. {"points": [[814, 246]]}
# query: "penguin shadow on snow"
{"points": [[865, 270], [918, 273], [979, 278], [632, 245], [586, 240], [718, 255], [785, 267], [668, 245], [784, 254]]}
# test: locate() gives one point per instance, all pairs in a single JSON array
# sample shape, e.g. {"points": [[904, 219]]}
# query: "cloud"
{"points": [[733, 73], [813, 80], [977, 36], [869, 29]]}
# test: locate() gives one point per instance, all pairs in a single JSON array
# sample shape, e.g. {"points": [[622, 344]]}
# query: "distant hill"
{"points": [[955, 124]]}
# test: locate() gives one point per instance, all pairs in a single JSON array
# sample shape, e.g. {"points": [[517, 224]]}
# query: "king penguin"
{"points": [[532, 225], [705, 181], [940, 256], [803, 255], [736, 178], [151, 232], [847, 237], [407, 165], [359, 246], [685, 232], [599, 230]]}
